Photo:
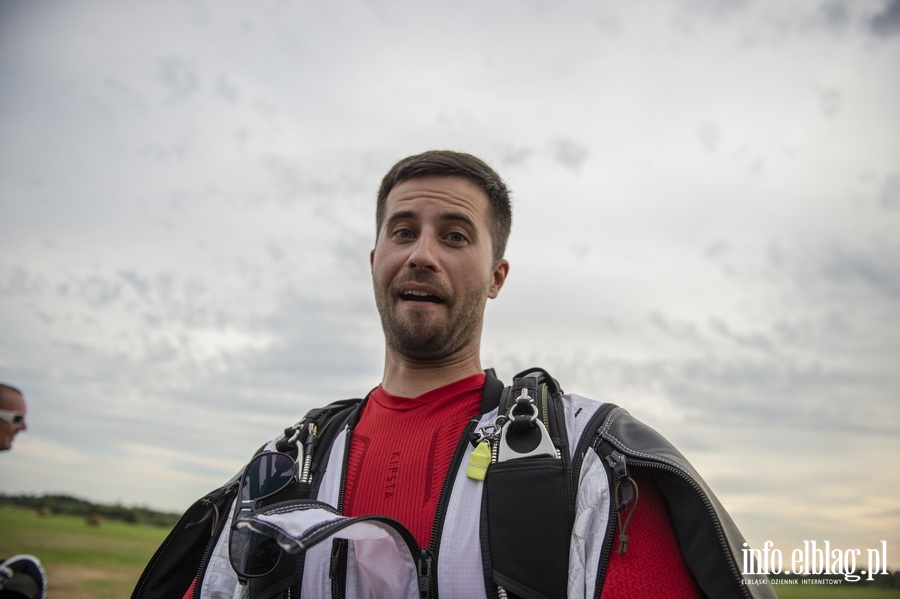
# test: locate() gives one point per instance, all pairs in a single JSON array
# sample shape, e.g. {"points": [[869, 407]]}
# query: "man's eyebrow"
{"points": [[459, 217], [446, 216], [402, 215]]}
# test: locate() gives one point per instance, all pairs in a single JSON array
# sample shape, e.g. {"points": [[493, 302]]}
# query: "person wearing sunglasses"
{"points": [[21, 576], [391, 505], [12, 415]]}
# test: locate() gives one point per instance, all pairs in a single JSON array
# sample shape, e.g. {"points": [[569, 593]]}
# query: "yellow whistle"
{"points": [[479, 461]]}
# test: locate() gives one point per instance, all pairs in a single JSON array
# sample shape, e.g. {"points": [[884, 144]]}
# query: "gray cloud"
{"points": [[571, 154], [226, 89], [179, 76], [835, 14], [709, 136], [718, 8], [887, 22], [830, 100], [890, 192], [18, 280], [849, 267], [511, 157]]}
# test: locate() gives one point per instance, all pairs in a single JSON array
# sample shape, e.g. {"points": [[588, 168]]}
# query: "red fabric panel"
{"points": [[653, 567]]}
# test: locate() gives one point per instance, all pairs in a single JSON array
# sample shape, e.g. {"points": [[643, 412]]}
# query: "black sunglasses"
{"points": [[253, 554], [12, 417]]}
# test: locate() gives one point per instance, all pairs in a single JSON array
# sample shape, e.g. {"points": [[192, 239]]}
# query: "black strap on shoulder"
{"points": [[526, 516], [493, 390], [316, 433], [346, 413], [314, 424], [528, 507]]}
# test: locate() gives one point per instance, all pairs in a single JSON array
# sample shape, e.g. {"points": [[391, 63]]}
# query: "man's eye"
{"points": [[456, 238], [403, 234]]}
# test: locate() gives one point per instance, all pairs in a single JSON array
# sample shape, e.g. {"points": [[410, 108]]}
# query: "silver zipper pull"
{"points": [[306, 463]]}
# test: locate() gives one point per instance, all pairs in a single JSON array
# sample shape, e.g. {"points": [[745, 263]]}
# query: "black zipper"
{"points": [[220, 526], [710, 511], [337, 570], [182, 524], [425, 574], [437, 526], [586, 442], [545, 416], [346, 458], [179, 525], [615, 472]]}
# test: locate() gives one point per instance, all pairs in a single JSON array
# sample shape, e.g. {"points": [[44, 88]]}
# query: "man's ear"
{"points": [[372, 260], [499, 277]]}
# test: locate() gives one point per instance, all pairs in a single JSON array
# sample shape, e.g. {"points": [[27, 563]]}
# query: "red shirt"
{"points": [[401, 449]]}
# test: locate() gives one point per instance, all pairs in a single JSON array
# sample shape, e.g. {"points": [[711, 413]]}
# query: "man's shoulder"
{"points": [[317, 422], [617, 425]]}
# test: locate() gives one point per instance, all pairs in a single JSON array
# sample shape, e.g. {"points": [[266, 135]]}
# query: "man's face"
{"points": [[432, 267], [13, 402]]}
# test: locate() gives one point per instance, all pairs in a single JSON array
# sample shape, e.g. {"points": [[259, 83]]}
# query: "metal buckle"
{"points": [[543, 447]]}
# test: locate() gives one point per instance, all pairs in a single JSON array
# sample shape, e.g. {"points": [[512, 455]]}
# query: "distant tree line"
{"points": [[64, 504]]}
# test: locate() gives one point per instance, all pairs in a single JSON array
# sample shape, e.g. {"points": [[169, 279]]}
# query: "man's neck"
{"points": [[408, 378]]}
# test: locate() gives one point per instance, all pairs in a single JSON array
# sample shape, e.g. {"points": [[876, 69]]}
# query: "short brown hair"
{"points": [[454, 164]]}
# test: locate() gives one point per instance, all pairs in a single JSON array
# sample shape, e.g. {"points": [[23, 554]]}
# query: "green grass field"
{"points": [[82, 562]]}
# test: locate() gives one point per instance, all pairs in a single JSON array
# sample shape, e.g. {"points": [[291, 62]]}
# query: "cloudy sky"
{"points": [[706, 230]]}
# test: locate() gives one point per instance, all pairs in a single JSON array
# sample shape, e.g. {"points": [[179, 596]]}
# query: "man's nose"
{"points": [[424, 253]]}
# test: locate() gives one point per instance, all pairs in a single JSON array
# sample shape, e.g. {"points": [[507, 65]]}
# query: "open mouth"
{"points": [[420, 296]]}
